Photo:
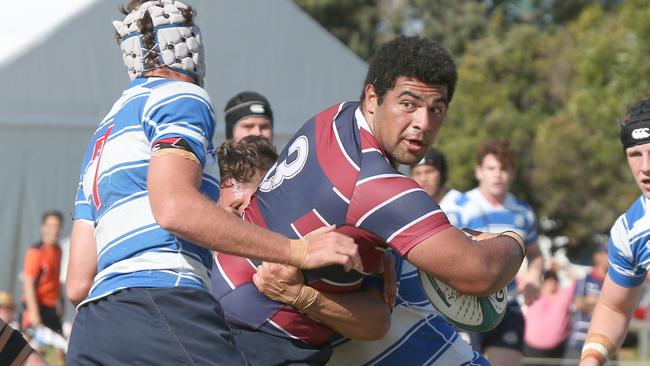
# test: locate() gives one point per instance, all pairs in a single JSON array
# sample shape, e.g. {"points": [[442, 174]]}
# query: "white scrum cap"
{"points": [[176, 45]]}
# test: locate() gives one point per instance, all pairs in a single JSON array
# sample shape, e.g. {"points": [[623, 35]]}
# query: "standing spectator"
{"points": [[547, 319], [585, 298], [43, 300], [491, 207], [248, 113]]}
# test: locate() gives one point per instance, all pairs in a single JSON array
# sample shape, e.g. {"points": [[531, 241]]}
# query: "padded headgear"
{"points": [[176, 44]]}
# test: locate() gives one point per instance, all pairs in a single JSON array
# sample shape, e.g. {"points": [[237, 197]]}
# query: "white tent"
{"points": [[57, 85]]}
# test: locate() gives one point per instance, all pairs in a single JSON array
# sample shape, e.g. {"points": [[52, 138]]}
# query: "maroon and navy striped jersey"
{"points": [[333, 172]]}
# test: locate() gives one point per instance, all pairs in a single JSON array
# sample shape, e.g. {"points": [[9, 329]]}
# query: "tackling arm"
{"points": [[612, 315], [179, 207], [361, 315], [472, 267]]}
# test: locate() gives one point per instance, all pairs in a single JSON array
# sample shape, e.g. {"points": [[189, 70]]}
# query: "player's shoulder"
{"points": [[515, 203]]}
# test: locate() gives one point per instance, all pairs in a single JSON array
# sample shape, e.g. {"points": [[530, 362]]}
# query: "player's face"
{"points": [[51, 230], [638, 158], [252, 126], [427, 177], [493, 177], [408, 119], [236, 196]]}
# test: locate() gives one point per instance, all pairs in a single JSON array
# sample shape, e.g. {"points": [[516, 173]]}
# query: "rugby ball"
{"points": [[473, 313]]}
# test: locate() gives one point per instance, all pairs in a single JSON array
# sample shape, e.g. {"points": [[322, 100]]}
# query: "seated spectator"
{"points": [[7, 308], [14, 349]]}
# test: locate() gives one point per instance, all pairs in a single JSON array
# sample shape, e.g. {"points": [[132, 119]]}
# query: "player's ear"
{"points": [[371, 99]]}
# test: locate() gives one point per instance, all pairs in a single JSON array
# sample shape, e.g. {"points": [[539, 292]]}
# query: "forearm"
{"points": [[179, 207], [610, 320], [472, 267], [30, 295], [203, 222], [359, 315]]}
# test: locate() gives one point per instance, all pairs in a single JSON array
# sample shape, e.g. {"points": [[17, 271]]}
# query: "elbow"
{"points": [[167, 214], [77, 291]]}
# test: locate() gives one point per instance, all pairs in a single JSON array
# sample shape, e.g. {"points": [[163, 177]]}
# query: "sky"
{"points": [[26, 23]]}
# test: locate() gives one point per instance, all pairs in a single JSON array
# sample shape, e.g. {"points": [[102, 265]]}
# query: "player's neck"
{"points": [[494, 200]]}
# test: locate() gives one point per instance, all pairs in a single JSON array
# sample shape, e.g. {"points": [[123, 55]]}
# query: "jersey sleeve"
{"points": [[32, 263], [82, 210], [180, 115], [397, 210], [624, 269]]}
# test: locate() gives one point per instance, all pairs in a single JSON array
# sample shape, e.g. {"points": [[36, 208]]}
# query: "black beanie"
{"points": [[246, 104]]}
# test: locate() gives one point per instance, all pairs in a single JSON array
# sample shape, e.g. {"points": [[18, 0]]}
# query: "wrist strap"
{"points": [[298, 252], [305, 299], [597, 346], [518, 239]]}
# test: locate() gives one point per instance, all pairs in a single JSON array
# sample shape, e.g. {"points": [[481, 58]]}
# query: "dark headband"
{"points": [[246, 109], [636, 132]]}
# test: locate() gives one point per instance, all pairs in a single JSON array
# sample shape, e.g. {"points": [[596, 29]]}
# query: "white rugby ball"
{"points": [[473, 313]]}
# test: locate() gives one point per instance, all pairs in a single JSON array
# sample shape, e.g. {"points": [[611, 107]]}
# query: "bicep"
{"points": [[171, 176], [620, 299]]}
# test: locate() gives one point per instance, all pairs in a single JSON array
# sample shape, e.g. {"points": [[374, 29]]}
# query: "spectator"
{"points": [[248, 113], [585, 298], [14, 349], [43, 300], [7, 308], [431, 174], [547, 320]]}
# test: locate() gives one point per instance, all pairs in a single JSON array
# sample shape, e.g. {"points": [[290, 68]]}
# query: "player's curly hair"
{"points": [[501, 149], [242, 160], [414, 57], [146, 27]]}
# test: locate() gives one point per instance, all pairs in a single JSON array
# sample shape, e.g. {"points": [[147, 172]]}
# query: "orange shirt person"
{"points": [[41, 286]]}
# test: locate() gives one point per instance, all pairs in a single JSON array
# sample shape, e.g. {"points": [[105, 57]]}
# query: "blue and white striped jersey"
{"points": [[132, 249], [473, 211], [418, 334], [629, 245]]}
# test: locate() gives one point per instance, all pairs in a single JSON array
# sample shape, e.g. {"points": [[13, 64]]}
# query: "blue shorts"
{"points": [[152, 326], [262, 349]]}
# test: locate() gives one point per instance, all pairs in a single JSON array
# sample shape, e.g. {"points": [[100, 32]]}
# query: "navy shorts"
{"points": [[508, 334], [152, 326], [262, 349]]}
